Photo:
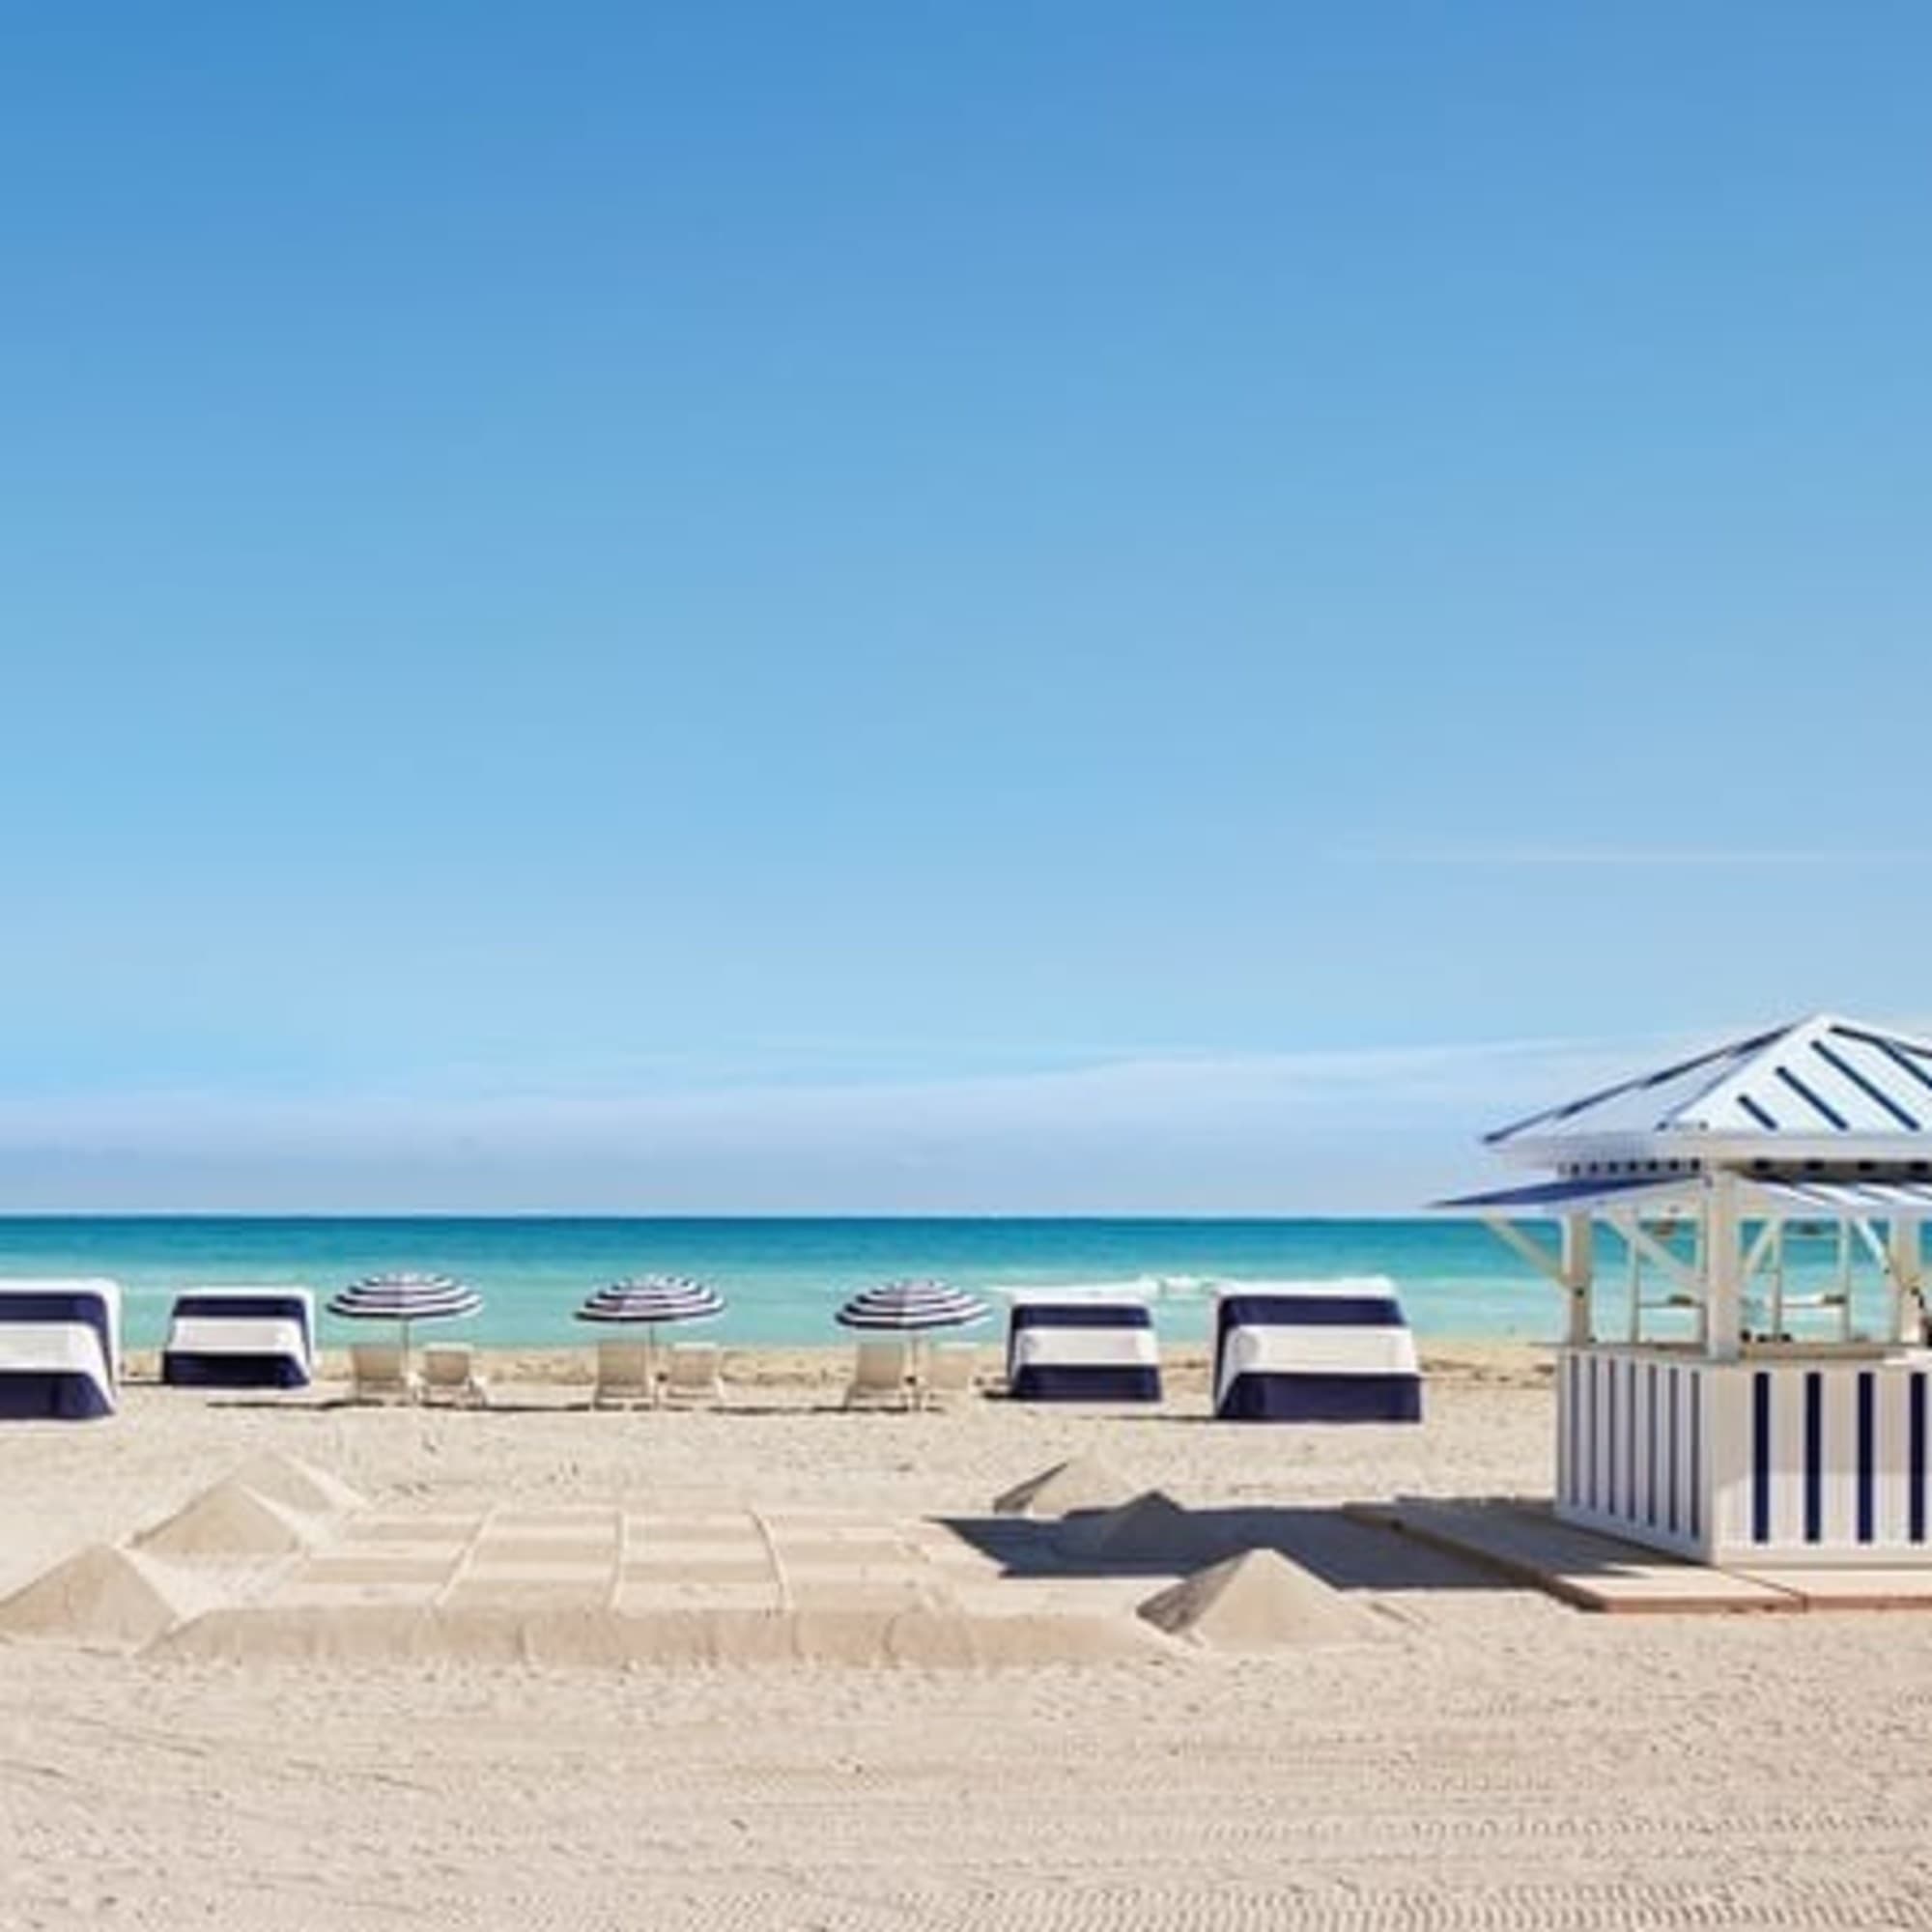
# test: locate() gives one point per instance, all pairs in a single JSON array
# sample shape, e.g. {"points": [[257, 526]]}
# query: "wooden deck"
{"points": [[1521, 1540]]}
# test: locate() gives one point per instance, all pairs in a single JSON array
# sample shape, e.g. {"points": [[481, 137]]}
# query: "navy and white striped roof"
{"points": [[911, 1305], [1824, 1079], [653, 1297], [406, 1297]]}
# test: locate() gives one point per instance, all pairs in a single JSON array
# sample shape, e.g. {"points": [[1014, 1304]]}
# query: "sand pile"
{"points": [[230, 1520], [1153, 1532], [1258, 1601], [1085, 1483], [297, 1486], [102, 1595]]}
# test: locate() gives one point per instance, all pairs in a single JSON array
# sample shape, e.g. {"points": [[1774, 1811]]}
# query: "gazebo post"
{"points": [[1579, 1270], [1724, 1268], [1905, 1255]]}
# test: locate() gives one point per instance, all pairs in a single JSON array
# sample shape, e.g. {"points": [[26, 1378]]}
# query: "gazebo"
{"points": [[1735, 1415]]}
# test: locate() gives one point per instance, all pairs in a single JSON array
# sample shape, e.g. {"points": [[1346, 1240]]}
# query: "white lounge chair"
{"points": [[692, 1375], [881, 1376], [375, 1374], [624, 1378], [952, 1370], [449, 1375]]}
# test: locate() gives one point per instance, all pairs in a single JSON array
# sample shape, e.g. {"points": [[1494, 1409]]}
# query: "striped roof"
{"points": [[1822, 1078]]}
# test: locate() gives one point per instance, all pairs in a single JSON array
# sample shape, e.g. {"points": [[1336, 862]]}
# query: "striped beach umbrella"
{"points": [[911, 1307], [653, 1298], [404, 1298], [649, 1299]]}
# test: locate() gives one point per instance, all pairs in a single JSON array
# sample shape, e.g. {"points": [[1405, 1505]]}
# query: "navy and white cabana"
{"points": [[60, 1349], [1760, 1391], [1314, 1351], [241, 1338], [1074, 1345]]}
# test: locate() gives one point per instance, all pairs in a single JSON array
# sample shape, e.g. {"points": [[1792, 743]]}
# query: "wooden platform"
{"points": [[1525, 1543]]}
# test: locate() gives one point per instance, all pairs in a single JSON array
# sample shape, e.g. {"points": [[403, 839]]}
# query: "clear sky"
{"points": [[941, 605]]}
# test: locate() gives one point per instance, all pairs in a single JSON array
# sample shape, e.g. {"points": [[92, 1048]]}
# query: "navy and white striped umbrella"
{"points": [[653, 1298], [405, 1298], [911, 1305]]}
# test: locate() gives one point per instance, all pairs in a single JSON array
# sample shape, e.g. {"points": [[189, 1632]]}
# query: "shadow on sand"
{"points": [[1326, 1542]]}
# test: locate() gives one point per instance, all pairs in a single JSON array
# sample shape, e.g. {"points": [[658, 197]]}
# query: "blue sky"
{"points": [[940, 606]]}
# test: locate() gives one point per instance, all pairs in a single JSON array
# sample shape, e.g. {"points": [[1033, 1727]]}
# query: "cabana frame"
{"points": [[1741, 1442]]}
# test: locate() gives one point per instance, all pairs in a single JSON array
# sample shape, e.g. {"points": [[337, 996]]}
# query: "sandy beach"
{"points": [[1479, 1756]]}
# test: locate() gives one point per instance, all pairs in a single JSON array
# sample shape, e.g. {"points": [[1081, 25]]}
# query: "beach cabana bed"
{"points": [[60, 1349], [1314, 1351], [1714, 1397], [241, 1338], [1081, 1345]]}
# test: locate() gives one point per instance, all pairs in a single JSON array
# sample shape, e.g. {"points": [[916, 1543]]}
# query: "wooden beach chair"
{"points": [[623, 1376], [692, 1375], [881, 1376], [449, 1375], [951, 1372], [375, 1374]]}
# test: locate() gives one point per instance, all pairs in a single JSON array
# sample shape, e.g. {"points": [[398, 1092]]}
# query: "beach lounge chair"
{"points": [[623, 1376], [881, 1376], [375, 1374], [449, 1375], [691, 1373], [950, 1373]]}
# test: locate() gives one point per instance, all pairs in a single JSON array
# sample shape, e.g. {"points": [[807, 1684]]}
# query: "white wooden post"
{"points": [[1906, 1253], [1723, 1269], [1579, 1270]]}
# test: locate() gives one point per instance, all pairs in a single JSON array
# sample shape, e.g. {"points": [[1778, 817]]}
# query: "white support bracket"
{"points": [[1545, 1260], [1652, 1250]]}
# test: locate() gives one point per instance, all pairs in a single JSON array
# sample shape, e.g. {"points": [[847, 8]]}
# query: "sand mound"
{"points": [[1086, 1483], [230, 1519], [297, 1486], [1152, 1531], [604, 1640], [100, 1595], [1257, 1601]]}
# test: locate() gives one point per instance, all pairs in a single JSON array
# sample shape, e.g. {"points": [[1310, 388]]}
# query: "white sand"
{"points": [[1490, 1760]]}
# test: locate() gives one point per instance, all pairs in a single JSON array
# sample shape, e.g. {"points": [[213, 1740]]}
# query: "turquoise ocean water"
{"points": [[783, 1278]]}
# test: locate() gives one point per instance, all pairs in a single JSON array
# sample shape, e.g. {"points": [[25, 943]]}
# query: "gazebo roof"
{"points": [[1823, 1088]]}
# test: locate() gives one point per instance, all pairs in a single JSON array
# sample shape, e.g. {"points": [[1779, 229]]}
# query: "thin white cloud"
{"points": [[1334, 1131], [1710, 857]]}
